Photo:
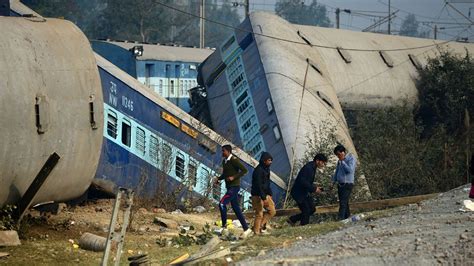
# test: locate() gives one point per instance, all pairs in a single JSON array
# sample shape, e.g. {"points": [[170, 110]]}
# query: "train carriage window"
{"points": [[204, 179], [166, 158], [216, 191], [126, 133], [112, 124], [154, 149], [179, 166], [276, 131], [181, 88], [269, 104], [192, 172], [160, 87], [140, 141], [171, 88]]}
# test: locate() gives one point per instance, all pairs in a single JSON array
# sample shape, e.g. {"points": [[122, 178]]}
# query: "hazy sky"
{"points": [[424, 10]]}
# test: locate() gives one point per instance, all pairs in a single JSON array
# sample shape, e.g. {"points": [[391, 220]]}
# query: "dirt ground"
{"points": [[50, 240], [431, 232]]}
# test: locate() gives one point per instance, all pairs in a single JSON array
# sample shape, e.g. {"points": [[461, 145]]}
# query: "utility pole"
{"points": [[389, 17], [201, 24], [337, 17], [435, 32], [247, 8]]}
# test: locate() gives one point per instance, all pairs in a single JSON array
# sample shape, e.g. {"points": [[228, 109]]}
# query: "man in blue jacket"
{"points": [[303, 187], [344, 178]]}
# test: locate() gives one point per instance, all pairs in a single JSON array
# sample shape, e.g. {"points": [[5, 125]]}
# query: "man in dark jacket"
{"points": [[232, 171], [262, 193], [303, 187]]}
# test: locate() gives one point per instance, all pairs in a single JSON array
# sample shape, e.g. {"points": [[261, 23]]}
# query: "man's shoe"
{"points": [[264, 232], [247, 233]]}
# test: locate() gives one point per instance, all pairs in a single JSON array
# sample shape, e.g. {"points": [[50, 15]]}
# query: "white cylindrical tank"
{"points": [[50, 101]]}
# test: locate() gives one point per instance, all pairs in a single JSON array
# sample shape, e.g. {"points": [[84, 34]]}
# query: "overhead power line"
{"points": [[302, 43]]}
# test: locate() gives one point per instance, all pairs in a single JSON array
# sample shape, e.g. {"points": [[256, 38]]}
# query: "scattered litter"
{"points": [[130, 252], [165, 222], [468, 205], [92, 242], [4, 254], [71, 241], [228, 259], [75, 245], [141, 259], [299, 238], [177, 211], [199, 209], [237, 223], [353, 218]]}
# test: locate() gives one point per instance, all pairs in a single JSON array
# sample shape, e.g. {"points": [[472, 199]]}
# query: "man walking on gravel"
{"points": [[304, 187], [344, 178]]}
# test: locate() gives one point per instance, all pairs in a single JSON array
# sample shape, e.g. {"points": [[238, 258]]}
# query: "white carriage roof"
{"points": [[332, 81], [166, 52]]}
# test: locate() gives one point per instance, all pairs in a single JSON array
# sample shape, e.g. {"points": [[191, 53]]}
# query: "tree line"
{"points": [[148, 21]]}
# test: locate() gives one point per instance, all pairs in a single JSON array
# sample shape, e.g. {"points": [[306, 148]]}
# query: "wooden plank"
{"points": [[363, 205], [179, 259]]}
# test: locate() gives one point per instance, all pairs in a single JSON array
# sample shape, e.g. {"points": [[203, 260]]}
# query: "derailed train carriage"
{"points": [[52, 101], [274, 84], [145, 135]]}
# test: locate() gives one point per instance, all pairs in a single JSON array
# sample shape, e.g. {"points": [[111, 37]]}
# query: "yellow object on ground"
{"points": [[179, 259], [229, 223]]}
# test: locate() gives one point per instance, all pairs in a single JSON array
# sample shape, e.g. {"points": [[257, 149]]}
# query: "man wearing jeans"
{"points": [[344, 178], [232, 171]]}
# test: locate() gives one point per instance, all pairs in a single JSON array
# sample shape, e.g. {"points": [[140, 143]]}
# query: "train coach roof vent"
{"points": [[304, 37], [386, 58], [415, 61], [345, 55], [314, 66]]}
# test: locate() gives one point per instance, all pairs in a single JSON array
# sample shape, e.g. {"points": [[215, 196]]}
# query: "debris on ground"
{"points": [[468, 205], [165, 223], [177, 211], [9, 238], [92, 242], [199, 209]]}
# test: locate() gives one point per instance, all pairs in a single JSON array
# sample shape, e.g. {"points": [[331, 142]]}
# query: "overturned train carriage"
{"points": [[272, 84], [50, 101]]}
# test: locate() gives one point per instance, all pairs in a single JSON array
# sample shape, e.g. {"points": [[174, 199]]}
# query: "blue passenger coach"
{"points": [[150, 141]]}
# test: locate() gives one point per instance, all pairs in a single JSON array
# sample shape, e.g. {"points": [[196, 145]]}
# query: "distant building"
{"points": [[170, 71]]}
